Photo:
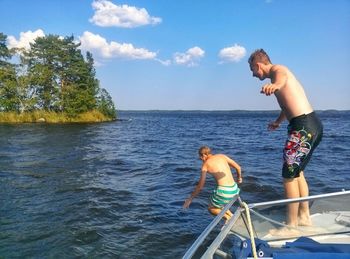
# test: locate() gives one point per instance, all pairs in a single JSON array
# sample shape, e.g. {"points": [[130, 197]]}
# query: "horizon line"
{"points": [[209, 110]]}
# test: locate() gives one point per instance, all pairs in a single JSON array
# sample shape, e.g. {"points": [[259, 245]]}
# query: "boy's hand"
{"points": [[239, 179], [187, 203]]}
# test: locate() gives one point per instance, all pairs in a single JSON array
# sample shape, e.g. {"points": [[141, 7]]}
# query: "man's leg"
{"points": [[291, 189], [304, 213]]}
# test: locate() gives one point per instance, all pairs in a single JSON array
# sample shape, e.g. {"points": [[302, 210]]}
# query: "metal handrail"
{"points": [[190, 252], [307, 198], [222, 235]]}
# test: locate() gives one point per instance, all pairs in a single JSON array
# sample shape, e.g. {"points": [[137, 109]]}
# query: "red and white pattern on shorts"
{"points": [[297, 148]]}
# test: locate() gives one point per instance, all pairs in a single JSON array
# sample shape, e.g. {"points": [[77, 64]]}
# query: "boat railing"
{"points": [[307, 198], [191, 251], [214, 246]]}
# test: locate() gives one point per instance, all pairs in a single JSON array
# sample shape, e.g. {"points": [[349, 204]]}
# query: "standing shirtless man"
{"points": [[217, 165], [304, 130]]}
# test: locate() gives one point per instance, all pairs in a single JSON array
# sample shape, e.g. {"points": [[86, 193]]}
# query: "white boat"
{"points": [[250, 232]]}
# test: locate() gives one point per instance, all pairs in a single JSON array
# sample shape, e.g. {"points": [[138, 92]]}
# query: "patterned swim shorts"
{"points": [[304, 134]]}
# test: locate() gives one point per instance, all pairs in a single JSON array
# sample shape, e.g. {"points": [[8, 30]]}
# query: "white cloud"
{"points": [[100, 47], [108, 14], [164, 62], [190, 58], [232, 54], [24, 40], [93, 43]]}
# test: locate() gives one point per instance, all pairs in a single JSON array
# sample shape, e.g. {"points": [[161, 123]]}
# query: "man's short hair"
{"points": [[259, 55]]}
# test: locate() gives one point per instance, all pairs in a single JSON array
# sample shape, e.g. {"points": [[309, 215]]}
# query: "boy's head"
{"points": [[203, 152]]}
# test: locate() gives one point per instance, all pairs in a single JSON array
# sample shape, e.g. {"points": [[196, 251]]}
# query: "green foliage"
{"points": [[52, 76], [8, 89], [4, 51], [105, 104], [8, 84]]}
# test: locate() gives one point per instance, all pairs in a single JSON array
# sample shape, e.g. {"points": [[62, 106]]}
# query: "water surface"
{"points": [[115, 190]]}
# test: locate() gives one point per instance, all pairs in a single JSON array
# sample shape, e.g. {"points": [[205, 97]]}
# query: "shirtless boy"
{"points": [[304, 130], [217, 165]]}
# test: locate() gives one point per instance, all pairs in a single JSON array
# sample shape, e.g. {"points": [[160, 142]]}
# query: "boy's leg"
{"points": [[291, 189], [229, 213], [304, 213], [215, 211]]}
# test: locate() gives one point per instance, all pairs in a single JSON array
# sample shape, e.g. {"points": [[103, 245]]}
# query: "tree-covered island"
{"points": [[51, 82]]}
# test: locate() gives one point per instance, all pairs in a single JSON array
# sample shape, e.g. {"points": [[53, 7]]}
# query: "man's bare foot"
{"points": [[305, 222], [285, 232]]}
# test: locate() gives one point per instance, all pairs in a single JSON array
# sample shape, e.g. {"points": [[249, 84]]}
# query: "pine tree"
{"points": [[8, 85], [52, 75], [42, 67], [105, 104]]}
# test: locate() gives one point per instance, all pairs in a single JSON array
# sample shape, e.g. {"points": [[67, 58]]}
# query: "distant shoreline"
{"points": [[179, 110], [53, 117]]}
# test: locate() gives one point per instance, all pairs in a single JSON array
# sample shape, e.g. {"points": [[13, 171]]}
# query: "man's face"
{"points": [[257, 72]]}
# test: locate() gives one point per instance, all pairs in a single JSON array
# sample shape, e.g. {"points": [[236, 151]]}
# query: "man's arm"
{"points": [[237, 167], [197, 190], [278, 80], [274, 125]]}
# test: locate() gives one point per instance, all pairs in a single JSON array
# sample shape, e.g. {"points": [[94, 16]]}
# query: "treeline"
{"points": [[53, 76]]}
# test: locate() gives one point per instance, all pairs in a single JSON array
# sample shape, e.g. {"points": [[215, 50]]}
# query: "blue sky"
{"points": [[192, 55]]}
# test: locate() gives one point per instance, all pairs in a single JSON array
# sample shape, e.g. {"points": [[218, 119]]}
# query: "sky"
{"points": [[192, 54]]}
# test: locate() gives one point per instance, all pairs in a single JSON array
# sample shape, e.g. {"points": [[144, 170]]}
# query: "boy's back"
{"points": [[219, 166]]}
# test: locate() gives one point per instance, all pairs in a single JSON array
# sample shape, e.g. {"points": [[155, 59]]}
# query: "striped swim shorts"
{"points": [[223, 195]]}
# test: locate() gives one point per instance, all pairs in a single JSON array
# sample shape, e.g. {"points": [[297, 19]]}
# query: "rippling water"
{"points": [[115, 190]]}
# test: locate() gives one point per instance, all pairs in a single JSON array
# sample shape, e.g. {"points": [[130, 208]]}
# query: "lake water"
{"points": [[115, 190]]}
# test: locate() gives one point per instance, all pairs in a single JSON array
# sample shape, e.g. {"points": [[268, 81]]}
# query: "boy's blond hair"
{"points": [[204, 150]]}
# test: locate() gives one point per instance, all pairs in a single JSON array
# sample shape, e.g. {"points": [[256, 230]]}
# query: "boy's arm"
{"points": [[197, 190], [278, 80], [237, 167]]}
